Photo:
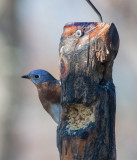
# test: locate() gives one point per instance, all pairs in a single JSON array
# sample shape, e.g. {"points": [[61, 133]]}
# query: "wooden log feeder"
{"points": [[87, 127]]}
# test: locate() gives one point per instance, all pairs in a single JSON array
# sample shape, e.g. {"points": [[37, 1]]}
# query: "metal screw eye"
{"points": [[79, 33]]}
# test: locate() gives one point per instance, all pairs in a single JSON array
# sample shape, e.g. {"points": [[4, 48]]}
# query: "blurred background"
{"points": [[30, 32]]}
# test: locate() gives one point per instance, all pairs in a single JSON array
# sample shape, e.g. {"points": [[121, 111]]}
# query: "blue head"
{"points": [[39, 76]]}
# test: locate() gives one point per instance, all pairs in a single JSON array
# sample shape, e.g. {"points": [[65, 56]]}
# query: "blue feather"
{"points": [[40, 76]]}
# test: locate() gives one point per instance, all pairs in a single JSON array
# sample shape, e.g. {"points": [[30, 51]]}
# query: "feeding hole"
{"points": [[79, 116]]}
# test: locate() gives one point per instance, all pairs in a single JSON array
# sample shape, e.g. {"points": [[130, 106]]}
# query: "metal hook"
{"points": [[95, 9]]}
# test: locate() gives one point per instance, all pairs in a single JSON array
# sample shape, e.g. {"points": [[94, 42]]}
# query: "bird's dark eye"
{"points": [[36, 76]]}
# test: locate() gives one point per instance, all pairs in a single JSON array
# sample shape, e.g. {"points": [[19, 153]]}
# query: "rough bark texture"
{"points": [[87, 127]]}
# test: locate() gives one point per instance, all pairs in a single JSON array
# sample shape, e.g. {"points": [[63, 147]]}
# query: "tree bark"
{"points": [[87, 127]]}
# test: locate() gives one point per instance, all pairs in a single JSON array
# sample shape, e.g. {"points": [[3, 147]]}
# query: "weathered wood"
{"points": [[87, 127]]}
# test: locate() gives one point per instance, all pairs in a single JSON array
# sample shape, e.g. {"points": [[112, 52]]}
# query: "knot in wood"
{"points": [[63, 68]]}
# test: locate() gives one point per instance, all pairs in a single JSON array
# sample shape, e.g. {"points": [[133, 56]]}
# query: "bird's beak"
{"points": [[26, 76]]}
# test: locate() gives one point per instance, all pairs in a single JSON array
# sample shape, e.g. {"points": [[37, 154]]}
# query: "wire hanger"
{"points": [[95, 9]]}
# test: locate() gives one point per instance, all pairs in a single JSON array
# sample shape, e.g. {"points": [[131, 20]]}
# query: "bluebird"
{"points": [[49, 91]]}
